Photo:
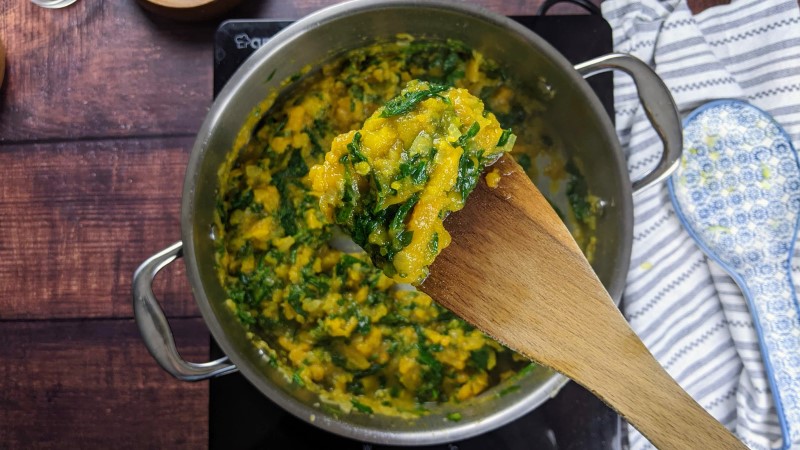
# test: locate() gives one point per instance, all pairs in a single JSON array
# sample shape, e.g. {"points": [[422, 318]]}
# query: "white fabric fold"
{"points": [[686, 309]]}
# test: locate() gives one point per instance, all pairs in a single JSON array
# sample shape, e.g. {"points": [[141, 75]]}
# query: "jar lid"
{"points": [[188, 10]]}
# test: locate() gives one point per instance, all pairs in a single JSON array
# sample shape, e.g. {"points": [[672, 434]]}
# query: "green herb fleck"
{"points": [[295, 299], [464, 138], [480, 358], [354, 148], [469, 170], [577, 193], [525, 371], [504, 137], [408, 100], [361, 407], [432, 371], [508, 390], [433, 245], [416, 167]]}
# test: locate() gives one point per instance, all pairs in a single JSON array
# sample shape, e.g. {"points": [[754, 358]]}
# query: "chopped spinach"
{"points": [[445, 62], [514, 118], [344, 214], [407, 101], [338, 360], [509, 390], [251, 289], [295, 299], [577, 193], [242, 200], [432, 371], [400, 237], [480, 358], [354, 148], [433, 245], [393, 318], [469, 170], [355, 387], [464, 138], [504, 137], [296, 166], [525, 370], [316, 147], [245, 317], [361, 407], [363, 325], [417, 167], [454, 416], [369, 371]]}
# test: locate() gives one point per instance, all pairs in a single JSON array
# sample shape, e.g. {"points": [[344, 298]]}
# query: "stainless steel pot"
{"points": [[576, 114]]}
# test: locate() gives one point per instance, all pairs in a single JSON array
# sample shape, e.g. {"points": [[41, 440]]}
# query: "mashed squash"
{"points": [[392, 183], [329, 320]]}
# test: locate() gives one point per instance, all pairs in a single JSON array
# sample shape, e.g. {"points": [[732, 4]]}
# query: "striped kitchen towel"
{"points": [[689, 313]]}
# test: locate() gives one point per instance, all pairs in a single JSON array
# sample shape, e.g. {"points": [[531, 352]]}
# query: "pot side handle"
{"points": [[155, 329], [658, 106]]}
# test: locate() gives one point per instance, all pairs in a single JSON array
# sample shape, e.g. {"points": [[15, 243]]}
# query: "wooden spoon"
{"points": [[514, 271]]}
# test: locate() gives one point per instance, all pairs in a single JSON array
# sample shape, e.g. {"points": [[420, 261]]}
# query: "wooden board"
{"points": [[79, 217], [109, 68], [92, 384]]}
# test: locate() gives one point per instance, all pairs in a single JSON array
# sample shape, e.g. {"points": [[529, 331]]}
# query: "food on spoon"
{"points": [[391, 184]]}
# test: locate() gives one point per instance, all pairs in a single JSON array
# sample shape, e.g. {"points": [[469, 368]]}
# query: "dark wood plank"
{"points": [[101, 69], [92, 384], [109, 68], [79, 217]]}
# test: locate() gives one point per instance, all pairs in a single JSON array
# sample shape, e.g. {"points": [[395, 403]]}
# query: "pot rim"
{"points": [[250, 67]]}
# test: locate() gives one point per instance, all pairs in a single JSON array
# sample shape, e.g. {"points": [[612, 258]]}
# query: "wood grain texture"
{"points": [[92, 384], [514, 271], [79, 217], [109, 68], [100, 69]]}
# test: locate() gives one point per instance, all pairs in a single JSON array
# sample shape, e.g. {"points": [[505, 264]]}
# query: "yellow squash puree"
{"points": [[415, 160], [330, 321]]}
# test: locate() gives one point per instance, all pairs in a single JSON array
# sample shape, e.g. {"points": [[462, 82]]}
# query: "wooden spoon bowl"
{"points": [[514, 271]]}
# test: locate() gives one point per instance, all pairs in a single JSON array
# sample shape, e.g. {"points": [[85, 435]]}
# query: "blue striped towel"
{"points": [[689, 313]]}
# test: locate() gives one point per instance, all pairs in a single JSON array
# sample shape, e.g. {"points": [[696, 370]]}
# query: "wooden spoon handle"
{"points": [[514, 271]]}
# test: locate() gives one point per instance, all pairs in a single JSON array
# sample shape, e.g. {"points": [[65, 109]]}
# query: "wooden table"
{"points": [[98, 113]]}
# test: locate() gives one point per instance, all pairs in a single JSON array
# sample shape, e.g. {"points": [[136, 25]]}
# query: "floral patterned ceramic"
{"points": [[737, 192]]}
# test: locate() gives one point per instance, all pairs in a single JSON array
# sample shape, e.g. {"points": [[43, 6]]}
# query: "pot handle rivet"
{"points": [[155, 329], [658, 106]]}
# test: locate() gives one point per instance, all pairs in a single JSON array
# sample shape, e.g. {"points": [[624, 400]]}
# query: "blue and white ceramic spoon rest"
{"points": [[737, 192]]}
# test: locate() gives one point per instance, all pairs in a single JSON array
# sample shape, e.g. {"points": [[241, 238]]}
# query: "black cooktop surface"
{"points": [[240, 417]]}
